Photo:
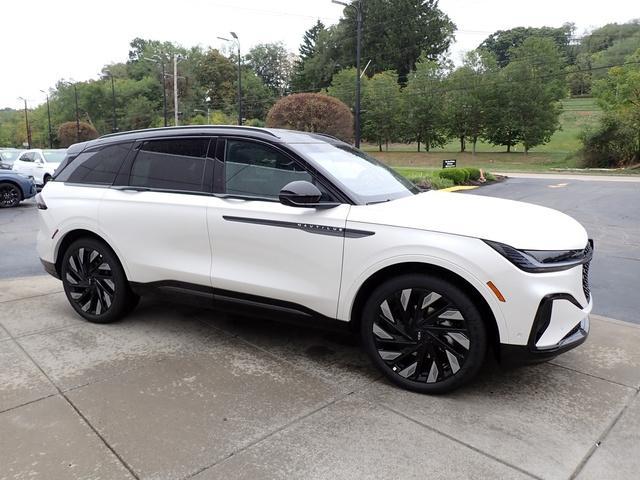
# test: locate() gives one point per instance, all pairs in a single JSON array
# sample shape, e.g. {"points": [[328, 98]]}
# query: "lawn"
{"points": [[559, 153]]}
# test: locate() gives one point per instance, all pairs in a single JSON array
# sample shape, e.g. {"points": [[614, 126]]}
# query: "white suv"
{"points": [[39, 164], [303, 225]]}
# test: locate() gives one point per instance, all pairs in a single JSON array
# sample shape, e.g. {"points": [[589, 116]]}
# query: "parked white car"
{"points": [[39, 164], [304, 225]]}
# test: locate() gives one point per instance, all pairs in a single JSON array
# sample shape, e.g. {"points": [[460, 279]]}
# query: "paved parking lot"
{"points": [[177, 392]]}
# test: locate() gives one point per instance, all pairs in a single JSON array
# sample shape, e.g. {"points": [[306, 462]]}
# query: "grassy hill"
{"points": [[577, 114]]}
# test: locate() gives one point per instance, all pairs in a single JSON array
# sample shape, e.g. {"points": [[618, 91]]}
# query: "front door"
{"points": [[266, 249]]}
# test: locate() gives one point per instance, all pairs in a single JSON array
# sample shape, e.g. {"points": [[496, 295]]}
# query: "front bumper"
{"points": [[554, 311]]}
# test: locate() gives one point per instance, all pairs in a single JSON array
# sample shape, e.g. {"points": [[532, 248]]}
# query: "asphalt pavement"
{"points": [[610, 211]]}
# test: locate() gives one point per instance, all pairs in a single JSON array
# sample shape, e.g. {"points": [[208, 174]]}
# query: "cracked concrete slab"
{"points": [[85, 353], [4, 335], [611, 352], [619, 454], [20, 379], [24, 287], [48, 312], [181, 414], [355, 438], [336, 356], [542, 418], [47, 439]]}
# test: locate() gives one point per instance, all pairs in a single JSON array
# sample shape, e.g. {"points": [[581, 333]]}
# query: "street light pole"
{"points": [[175, 89], [237, 42], [75, 91], [49, 119], [26, 121], [357, 6], [114, 129]]}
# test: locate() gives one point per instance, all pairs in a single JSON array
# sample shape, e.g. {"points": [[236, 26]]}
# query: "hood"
{"points": [[521, 225]]}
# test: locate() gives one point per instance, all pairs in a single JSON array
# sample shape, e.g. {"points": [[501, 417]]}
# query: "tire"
{"points": [[95, 283], [10, 195], [429, 332]]}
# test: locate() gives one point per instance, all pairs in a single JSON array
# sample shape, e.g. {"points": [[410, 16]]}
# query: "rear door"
{"points": [[156, 212], [263, 248]]}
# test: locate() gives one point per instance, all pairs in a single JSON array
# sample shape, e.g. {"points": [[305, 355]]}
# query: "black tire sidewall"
{"points": [[122, 301], [475, 325]]}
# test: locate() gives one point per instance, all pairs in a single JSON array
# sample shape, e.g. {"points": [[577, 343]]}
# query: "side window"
{"points": [[27, 157], [175, 164], [97, 167], [254, 169]]}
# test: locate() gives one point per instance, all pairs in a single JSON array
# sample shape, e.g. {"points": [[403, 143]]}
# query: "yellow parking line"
{"points": [[458, 187]]}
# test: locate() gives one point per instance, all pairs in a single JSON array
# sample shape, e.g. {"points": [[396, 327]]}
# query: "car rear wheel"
{"points": [[10, 195], [95, 283], [423, 333]]}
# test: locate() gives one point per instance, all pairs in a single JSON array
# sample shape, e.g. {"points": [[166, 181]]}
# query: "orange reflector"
{"points": [[495, 290]]}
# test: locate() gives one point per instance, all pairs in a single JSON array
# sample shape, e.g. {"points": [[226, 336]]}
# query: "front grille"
{"points": [[585, 271]]}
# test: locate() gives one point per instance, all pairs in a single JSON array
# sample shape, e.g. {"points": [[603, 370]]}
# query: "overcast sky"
{"points": [[42, 41]]}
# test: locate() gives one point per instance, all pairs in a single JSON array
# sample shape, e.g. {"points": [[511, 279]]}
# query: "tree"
{"points": [[579, 75], [466, 98], [257, 97], [307, 50], [523, 106], [217, 74], [381, 104], [503, 42], [343, 86], [619, 96], [395, 34], [315, 71], [312, 112], [68, 133], [423, 105], [273, 64]]}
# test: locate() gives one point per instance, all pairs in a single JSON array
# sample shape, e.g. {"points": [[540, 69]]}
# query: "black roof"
{"points": [[275, 135]]}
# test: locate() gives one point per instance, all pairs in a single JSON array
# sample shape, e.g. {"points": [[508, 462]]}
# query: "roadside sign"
{"points": [[449, 163]]}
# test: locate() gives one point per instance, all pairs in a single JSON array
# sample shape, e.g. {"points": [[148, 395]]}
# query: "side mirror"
{"points": [[303, 194]]}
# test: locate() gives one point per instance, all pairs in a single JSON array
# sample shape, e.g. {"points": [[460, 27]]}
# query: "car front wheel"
{"points": [[95, 283], [10, 195], [424, 333]]}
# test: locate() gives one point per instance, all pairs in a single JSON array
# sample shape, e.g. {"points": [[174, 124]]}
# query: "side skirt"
{"points": [[237, 303]]}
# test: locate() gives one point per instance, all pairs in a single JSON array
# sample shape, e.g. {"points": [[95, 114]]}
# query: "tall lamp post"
{"points": [[236, 40], [114, 120], [160, 60], [357, 6], [49, 119], [26, 121]]}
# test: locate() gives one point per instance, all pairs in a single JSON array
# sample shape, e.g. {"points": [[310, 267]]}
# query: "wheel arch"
{"points": [[70, 237], [403, 268]]}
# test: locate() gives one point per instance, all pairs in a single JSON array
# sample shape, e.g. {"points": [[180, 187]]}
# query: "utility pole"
{"points": [[357, 6], [237, 42], [75, 91], [49, 119], [114, 129], [175, 89], [26, 121]]}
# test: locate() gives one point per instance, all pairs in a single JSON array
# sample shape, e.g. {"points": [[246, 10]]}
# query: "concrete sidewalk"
{"points": [[177, 392]]}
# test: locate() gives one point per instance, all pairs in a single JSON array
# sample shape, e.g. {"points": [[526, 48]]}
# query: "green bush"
{"points": [[457, 175], [489, 177], [429, 181], [474, 173], [438, 183]]}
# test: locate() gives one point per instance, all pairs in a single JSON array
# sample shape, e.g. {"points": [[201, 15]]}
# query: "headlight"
{"points": [[537, 261]]}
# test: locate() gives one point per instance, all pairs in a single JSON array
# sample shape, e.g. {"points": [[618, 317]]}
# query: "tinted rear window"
{"points": [[98, 167], [177, 164]]}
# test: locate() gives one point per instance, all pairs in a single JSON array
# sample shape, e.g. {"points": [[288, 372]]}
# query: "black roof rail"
{"points": [[192, 127]]}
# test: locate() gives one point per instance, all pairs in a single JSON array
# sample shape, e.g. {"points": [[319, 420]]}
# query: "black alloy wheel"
{"points": [[10, 195], [424, 333], [95, 283]]}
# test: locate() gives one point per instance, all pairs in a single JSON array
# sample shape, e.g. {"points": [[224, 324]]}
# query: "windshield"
{"points": [[8, 156], [54, 156], [368, 180]]}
